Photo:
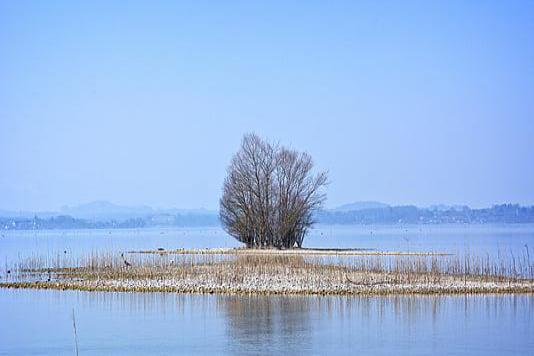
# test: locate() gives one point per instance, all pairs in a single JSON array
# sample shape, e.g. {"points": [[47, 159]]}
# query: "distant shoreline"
{"points": [[113, 217], [316, 227]]}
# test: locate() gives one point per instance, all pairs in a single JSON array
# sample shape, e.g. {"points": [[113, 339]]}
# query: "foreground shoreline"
{"points": [[471, 288]]}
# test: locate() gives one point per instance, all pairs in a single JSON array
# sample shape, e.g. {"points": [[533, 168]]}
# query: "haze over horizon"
{"points": [[105, 205], [411, 103]]}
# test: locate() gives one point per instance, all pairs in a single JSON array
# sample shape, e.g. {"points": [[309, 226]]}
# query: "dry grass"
{"points": [[276, 273]]}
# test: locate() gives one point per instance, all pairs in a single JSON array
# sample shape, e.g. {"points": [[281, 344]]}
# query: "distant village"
{"points": [[504, 213]]}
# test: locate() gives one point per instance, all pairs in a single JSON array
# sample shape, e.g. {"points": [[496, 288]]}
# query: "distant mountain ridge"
{"points": [[443, 207], [102, 210], [361, 205]]}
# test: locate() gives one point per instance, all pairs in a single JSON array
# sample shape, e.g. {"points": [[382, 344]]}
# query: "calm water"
{"points": [[457, 239], [40, 322]]}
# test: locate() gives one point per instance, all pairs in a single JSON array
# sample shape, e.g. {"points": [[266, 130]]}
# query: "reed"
{"points": [[278, 273]]}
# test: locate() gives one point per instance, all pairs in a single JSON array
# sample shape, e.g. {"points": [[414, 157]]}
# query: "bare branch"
{"points": [[270, 195]]}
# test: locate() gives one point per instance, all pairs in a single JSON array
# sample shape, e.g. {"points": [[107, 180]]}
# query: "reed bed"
{"points": [[277, 273]]}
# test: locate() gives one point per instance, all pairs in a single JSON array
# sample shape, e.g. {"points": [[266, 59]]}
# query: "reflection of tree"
{"points": [[266, 324], [411, 310]]}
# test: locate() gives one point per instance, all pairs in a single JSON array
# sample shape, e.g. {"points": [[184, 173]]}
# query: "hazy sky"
{"points": [[145, 103]]}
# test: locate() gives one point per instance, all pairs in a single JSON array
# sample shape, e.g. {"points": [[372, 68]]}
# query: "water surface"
{"points": [[40, 322]]}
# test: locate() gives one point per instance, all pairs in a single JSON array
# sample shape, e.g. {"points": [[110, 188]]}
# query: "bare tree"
{"points": [[270, 195]]}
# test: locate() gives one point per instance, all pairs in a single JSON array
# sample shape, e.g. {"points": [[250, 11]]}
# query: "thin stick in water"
{"points": [[75, 333]]}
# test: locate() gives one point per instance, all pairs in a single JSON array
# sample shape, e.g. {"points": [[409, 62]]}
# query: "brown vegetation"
{"points": [[279, 274]]}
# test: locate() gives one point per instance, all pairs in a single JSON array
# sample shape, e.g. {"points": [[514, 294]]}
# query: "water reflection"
{"points": [[155, 323], [262, 324]]}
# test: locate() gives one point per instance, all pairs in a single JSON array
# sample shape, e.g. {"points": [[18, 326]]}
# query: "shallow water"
{"points": [[40, 322]]}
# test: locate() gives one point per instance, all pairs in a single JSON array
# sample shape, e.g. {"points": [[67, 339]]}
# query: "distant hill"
{"points": [[27, 214], [361, 205], [442, 207], [101, 211], [103, 214], [104, 210]]}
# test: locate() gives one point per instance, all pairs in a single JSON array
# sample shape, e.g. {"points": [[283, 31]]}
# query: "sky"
{"points": [[145, 102]]}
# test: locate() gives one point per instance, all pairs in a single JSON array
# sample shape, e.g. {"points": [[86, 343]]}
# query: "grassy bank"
{"points": [[270, 272]]}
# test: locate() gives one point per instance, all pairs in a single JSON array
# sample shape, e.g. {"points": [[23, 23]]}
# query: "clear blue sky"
{"points": [[403, 102]]}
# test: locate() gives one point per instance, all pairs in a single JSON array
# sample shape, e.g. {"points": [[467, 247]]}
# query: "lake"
{"points": [[40, 322]]}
